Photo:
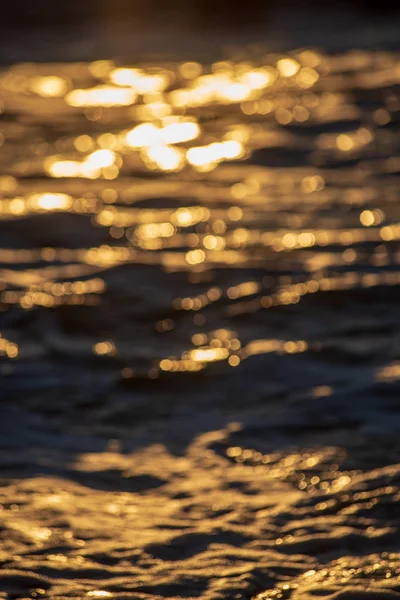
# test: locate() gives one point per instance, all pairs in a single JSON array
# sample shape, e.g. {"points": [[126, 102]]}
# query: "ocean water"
{"points": [[199, 348]]}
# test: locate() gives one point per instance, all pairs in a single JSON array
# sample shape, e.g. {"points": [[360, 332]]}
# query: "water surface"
{"points": [[199, 327]]}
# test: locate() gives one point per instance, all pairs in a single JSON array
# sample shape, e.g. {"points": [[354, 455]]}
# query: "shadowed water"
{"points": [[199, 327]]}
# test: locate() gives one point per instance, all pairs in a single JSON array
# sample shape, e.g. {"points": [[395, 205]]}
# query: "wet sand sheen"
{"points": [[199, 328]]}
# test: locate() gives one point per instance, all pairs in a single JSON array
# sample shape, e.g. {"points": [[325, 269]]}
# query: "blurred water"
{"points": [[163, 218], [185, 245]]}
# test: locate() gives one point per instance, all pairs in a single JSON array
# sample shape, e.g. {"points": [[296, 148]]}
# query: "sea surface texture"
{"points": [[199, 350]]}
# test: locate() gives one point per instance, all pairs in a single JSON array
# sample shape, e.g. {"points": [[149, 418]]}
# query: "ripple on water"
{"points": [[201, 263]]}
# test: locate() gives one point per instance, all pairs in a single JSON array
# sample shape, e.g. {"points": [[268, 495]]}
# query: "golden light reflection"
{"points": [[209, 156], [51, 201], [175, 132], [97, 164], [176, 178], [322, 391], [307, 77], [390, 372], [84, 143], [190, 70], [159, 101], [371, 217], [195, 257], [100, 159], [243, 289], [142, 83], [165, 158], [154, 230], [143, 135], [288, 67], [344, 142], [101, 96], [223, 346], [187, 216], [104, 348], [266, 346], [208, 354], [8, 348], [63, 168], [214, 242], [49, 87]]}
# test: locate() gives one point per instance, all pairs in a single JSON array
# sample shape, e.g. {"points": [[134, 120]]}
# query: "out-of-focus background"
{"points": [[81, 30]]}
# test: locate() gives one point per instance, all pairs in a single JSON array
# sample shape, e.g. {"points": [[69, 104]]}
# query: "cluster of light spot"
{"points": [[190, 215], [155, 230], [107, 256], [140, 81], [216, 346], [228, 84], [247, 288], [100, 163], [292, 293], [371, 217], [52, 294], [311, 471], [279, 346], [198, 302], [158, 96], [8, 348], [154, 128], [223, 345], [149, 134]]}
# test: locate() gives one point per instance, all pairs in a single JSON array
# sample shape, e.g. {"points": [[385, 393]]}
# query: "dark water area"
{"points": [[199, 312], [203, 30]]}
